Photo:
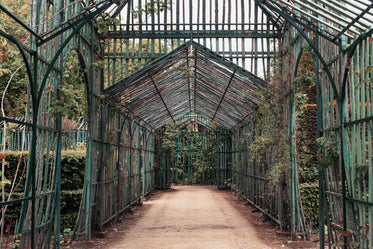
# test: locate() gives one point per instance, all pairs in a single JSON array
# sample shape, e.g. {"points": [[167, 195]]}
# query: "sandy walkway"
{"points": [[190, 217]]}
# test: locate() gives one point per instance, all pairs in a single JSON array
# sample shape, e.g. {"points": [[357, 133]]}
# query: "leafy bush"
{"points": [[72, 169], [70, 202], [310, 201], [72, 180]]}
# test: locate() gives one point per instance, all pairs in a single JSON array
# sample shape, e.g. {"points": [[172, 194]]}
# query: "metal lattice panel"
{"points": [[190, 79], [153, 87], [331, 19]]}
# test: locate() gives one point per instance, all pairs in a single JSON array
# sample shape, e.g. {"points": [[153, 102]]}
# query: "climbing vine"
{"points": [[152, 7], [70, 102]]}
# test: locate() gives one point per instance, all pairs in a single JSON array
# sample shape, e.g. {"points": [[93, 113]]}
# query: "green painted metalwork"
{"points": [[148, 68], [195, 157]]}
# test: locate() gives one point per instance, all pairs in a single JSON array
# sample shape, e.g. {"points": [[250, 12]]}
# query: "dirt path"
{"points": [[190, 217]]}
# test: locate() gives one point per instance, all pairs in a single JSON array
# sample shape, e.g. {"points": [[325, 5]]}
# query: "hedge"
{"points": [[72, 180], [310, 200]]}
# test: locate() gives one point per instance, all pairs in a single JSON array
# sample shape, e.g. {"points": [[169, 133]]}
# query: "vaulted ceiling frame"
{"points": [[172, 84], [195, 73], [195, 117], [223, 120], [341, 20], [233, 89], [246, 82], [133, 115], [247, 99], [303, 24], [121, 85], [190, 104], [317, 19], [234, 105], [312, 45], [225, 92], [202, 113], [206, 101], [151, 103], [150, 113], [142, 108], [160, 95], [161, 121], [206, 106], [155, 118], [336, 6], [345, 17], [355, 20], [151, 116], [139, 97], [208, 77], [147, 107], [150, 89], [228, 112], [228, 64], [218, 86]]}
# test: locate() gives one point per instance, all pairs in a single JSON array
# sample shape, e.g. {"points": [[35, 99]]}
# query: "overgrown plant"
{"points": [[152, 7], [6, 195], [170, 136], [328, 152], [71, 93]]}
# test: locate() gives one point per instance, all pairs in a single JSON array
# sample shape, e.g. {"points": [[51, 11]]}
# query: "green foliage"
{"points": [[11, 60], [366, 79], [193, 153], [14, 158], [328, 152], [106, 24], [72, 180], [306, 112], [186, 71], [362, 172], [69, 100], [72, 169], [304, 88], [268, 147], [70, 103], [269, 133], [152, 7], [15, 97], [306, 132], [66, 235], [310, 202], [170, 136], [70, 202], [345, 239], [17, 240]]}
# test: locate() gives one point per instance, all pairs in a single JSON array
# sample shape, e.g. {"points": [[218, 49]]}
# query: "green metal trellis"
{"points": [[207, 62]]}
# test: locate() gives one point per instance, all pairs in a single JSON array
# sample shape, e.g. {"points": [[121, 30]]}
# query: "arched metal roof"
{"points": [[190, 79], [331, 19]]}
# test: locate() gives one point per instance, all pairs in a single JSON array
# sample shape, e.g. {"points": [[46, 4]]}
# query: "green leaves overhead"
{"points": [[152, 7], [69, 98]]}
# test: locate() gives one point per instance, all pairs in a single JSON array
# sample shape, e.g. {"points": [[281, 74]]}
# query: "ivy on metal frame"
{"points": [[121, 139]]}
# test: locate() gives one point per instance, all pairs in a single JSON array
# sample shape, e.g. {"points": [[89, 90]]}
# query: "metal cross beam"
{"points": [[156, 88], [353, 21], [187, 34], [222, 98]]}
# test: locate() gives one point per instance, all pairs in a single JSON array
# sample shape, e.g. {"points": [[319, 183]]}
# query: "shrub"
{"points": [[310, 200], [72, 180]]}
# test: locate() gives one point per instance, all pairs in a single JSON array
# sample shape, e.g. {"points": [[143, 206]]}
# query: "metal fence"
{"points": [[115, 40], [18, 137]]}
